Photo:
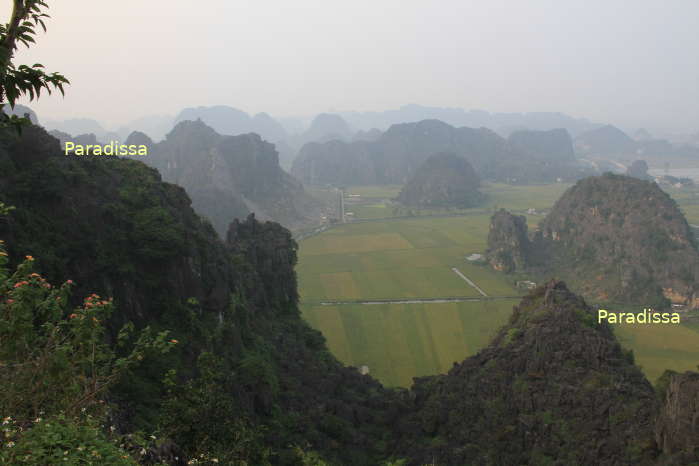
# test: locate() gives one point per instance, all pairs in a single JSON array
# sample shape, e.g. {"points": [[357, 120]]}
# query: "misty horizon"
{"points": [[601, 61]]}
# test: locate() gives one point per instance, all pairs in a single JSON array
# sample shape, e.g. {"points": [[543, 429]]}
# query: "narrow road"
{"points": [[455, 299], [458, 272]]}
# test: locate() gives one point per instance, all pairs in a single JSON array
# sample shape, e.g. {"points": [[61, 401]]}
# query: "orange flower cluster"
{"points": [[94, 300]]}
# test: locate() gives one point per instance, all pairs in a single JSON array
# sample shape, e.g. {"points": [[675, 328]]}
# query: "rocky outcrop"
{"points": [[677, 428], [509, 248], [553, 387], [612, 238], [396, 155], [444, 180]]}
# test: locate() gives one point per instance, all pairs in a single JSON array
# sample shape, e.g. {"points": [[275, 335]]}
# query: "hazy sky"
{"points": [[632, 62]]}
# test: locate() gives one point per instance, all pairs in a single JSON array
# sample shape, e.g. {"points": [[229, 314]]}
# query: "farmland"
{"points": [[389, 255], [401, 341]]}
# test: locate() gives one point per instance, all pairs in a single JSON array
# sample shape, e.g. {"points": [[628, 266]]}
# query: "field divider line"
{"points": [[448, 299], [458, 272]]}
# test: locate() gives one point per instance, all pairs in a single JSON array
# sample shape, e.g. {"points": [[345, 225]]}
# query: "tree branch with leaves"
{"points": [[20, 81]]}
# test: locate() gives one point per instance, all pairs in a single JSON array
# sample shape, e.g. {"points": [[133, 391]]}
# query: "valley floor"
{"points": [[383, 290]]}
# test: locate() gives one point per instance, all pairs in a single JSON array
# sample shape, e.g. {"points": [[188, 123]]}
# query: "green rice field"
{"points": [[401, 341], [387, 255]]}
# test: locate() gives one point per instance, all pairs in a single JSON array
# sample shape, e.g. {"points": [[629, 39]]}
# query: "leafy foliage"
{"points": [[23, 80], [56, 366], [60, 440]]}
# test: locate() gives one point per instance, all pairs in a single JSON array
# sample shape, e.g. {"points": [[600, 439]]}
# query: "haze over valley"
{"points": [[387, 233]]}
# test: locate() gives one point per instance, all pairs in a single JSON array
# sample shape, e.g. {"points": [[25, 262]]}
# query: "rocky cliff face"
{"points": [[613, 238], [230, 176], [113, 227], [553, 387], [509, 248], [623, 239], [397, 154], [677, 428], [444, 180]]}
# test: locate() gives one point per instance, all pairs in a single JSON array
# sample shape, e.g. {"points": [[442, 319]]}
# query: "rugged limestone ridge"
{"points": [[231, 121], [502, 122], [230, 176], [613, 238], [112, 226], [553, 387], [398, 152], [443, 180]]}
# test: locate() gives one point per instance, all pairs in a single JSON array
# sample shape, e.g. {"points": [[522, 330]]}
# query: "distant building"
{"points": [[525, 284], [364, 370]]}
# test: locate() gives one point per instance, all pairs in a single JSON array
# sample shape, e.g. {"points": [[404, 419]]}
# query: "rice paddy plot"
{"points": [[399, 258], [659, 347], [401, 341]]}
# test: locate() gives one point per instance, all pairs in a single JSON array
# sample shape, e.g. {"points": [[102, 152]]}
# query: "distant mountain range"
{"points": [[527, 156]]}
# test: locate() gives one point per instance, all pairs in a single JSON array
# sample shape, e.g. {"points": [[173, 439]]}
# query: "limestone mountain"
{"points": [[607, 140], [231, 121], [639, 169], [397, 153], [553, 387], [509, 247], [612, 238], [228, 177], [553, 145], [112, 226], [326, 127], [539, 121], [443, 180], [76, 126], [20, 111], [251, 378]]}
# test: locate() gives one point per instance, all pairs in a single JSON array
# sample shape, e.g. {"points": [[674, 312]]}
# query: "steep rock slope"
{"points": [[509, 248], [677, 428], [553, 387], [443, 180], [612, 238], [113, 227], [230, 176]]}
